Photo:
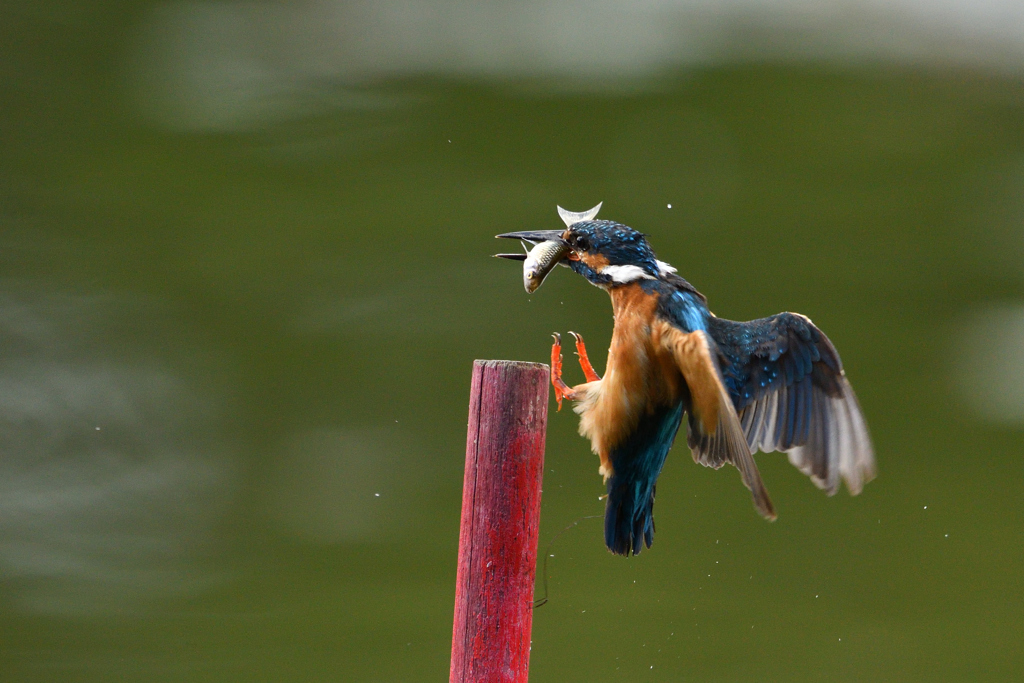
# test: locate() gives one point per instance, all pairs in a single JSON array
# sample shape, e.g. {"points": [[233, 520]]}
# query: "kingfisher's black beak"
{"points": [[512, 257], [534, 236]]}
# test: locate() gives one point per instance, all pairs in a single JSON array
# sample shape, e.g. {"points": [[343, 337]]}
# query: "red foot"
{"points": [[562, 390], [581, 351]]}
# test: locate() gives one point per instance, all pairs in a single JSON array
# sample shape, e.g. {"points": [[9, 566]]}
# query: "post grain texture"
{"points": [[508, 409]]}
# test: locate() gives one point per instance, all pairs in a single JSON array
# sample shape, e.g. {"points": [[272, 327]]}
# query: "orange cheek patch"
{"points": [[597, 262]]}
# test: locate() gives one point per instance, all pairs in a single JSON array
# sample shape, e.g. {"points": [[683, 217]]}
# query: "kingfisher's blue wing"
{"points": [[787, 383]]}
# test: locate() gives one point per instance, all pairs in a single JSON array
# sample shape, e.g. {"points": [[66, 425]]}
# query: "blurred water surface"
{"points": [[245, 268]]}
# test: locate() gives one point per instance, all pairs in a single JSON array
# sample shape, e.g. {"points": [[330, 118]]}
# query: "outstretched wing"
{"points": [[715, 435], [787, 384]]}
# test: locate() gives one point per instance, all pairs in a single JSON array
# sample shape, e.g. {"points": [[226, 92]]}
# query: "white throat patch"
{"points": [[625, 274], [665, 268]]}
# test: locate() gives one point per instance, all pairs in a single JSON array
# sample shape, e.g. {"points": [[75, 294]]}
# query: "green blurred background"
{"points": [[245, 269]]}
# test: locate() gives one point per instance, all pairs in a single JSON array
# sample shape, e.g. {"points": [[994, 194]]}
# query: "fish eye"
{"points": [[529, 276]]}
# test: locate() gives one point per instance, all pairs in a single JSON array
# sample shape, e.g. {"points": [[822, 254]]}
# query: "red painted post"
{"points": [[508, 409]]}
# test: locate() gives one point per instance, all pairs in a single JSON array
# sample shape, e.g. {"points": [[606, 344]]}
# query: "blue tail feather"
{"points": [[637, 462]]}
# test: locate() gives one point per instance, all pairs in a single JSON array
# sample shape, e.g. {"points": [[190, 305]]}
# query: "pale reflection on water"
{"points": [[990, 349], [111, 477], [238, 65]]}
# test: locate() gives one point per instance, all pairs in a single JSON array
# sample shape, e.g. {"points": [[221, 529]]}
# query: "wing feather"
{"points": [[716, 435], [787, 383]]}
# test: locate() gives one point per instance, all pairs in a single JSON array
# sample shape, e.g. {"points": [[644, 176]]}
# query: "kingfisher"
{"points": [[773, 384]]}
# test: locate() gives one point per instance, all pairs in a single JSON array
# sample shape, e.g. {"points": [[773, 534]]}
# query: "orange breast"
{"points": [[640, 376]]}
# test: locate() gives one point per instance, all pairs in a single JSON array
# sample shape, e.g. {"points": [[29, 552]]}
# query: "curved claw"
{"points": [[562, 390], [581, 351]]}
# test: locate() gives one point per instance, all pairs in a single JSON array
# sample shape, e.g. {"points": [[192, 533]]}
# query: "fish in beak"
{"points": [[549, 250], [540, 260]]}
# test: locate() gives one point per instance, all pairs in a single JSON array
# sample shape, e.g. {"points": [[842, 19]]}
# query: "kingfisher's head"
{"points": [[605, 252], [609, 253]]}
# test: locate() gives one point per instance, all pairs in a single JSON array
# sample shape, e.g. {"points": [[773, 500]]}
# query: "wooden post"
{"points": [[508, 408]]}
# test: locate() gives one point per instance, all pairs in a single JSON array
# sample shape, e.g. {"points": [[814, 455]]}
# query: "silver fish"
{"points": [[540, 261], [550, 249]]}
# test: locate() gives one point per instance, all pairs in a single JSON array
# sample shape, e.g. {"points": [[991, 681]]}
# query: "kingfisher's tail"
{"points": [[629, 516], [629, 511]]}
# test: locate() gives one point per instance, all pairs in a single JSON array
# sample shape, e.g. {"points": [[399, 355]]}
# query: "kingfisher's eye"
{"points": [[582, 242]]}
